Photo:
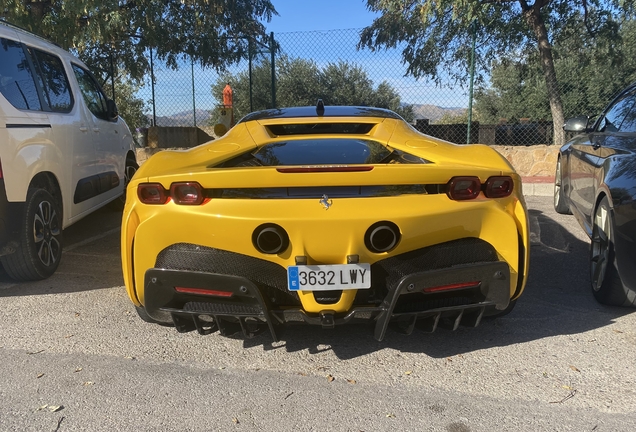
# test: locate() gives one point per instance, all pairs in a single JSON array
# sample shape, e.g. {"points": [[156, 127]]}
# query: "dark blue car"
{"points": [[596, 182]]}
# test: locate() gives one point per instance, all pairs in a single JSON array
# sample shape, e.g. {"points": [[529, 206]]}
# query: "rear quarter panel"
{"points": [[617, 180]]}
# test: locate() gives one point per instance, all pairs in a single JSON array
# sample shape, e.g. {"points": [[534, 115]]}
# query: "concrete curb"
{"points": [[538, 186]]}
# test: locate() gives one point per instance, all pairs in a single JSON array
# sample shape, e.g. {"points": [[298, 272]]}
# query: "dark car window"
{"points": [[617, 114], [629, 122], [92, 93], [16, 78], [328, 151], [52, 77]]}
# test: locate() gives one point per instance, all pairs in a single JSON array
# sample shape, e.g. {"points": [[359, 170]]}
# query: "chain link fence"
{"points": [[329, 65]]}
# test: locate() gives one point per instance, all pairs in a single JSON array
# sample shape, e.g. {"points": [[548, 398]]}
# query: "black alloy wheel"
{"points": [[607, 286], [40, 243]]}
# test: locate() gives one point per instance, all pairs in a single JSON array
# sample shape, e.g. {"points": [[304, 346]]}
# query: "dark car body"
{"points": [[596, 182]]}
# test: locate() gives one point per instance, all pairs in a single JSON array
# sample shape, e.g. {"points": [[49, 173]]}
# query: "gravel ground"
{"points": [[559, 361]]}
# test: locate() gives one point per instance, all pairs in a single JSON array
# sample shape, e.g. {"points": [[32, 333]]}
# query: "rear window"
{"points": [[328, 151]]}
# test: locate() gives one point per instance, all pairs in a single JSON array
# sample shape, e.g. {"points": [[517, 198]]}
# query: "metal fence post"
{"points": [[472, 79], [194, 102], [273, 53], [249, 49]]}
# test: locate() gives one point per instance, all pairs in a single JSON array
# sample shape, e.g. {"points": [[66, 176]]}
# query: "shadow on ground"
{"points": [[557, 299], [90, 259]]}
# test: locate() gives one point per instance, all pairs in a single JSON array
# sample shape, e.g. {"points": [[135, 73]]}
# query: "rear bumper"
{"points": [[453, 296]]}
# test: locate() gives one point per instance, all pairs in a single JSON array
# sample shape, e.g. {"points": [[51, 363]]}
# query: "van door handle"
{"points": [[95, 129], [83, 128]]}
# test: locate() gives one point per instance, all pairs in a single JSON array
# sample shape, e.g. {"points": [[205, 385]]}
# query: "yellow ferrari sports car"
{"points": [[324, 215]]}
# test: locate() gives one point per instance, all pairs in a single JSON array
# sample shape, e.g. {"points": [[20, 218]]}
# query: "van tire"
{"points": [[40, 239]]}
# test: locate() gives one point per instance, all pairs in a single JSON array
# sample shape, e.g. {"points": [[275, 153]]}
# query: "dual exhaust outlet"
{"points": [[272, 239]]}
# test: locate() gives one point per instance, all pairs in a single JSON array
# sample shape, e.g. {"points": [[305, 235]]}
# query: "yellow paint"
{"points": [[323, 236]]}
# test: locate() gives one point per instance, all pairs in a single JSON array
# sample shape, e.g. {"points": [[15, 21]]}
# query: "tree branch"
{"points": [[590, 31]]}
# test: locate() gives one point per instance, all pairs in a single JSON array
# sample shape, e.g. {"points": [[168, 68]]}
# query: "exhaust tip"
{"points": [[270, 239], [382, 237]]}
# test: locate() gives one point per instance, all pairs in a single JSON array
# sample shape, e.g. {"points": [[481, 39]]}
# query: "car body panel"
{"points": [[64, 144]]}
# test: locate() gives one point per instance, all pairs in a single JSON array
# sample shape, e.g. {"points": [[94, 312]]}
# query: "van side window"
{"points": [[93, 95], [16, 80], [57, 90]]}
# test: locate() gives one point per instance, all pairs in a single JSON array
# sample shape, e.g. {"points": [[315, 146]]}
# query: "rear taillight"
{"points": [[463, 188], [152, 193], [499, 187], [468, 188], [189, 193], [184, 193]]}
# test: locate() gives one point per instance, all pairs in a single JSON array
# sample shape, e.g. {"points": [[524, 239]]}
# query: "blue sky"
{"points": [[302, 15]]}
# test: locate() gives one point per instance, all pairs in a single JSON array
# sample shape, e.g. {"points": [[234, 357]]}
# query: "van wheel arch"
{"points": [[48, 182]]}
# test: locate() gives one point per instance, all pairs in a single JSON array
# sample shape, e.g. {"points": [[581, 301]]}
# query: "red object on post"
{"points": [[227, 96]]}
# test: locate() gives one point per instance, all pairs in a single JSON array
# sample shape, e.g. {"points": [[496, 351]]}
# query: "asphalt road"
{"points": [[75, 357]]}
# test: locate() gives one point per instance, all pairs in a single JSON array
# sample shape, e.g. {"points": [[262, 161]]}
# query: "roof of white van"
{"points": [[11, 31]]}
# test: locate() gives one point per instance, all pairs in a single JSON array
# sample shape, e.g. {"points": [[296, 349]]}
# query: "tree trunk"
{"points": [[535, 20]]}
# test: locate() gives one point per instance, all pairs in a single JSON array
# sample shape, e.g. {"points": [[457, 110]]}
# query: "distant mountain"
{"points": [[434, 112]]}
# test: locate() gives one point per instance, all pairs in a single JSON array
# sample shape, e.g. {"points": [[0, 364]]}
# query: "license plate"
{"points": [[329, 277]]}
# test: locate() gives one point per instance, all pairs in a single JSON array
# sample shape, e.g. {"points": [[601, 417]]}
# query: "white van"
{"points": [[64, 151]]}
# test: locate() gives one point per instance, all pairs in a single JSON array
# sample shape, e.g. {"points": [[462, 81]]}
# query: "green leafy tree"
{"points": [[214, 33], [301, 82], [131, 107], [450, 119], [438, 34], [517, 89]]}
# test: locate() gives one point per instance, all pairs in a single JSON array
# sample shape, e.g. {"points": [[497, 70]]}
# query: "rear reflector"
{"points": [[203, 291], [152, 193], [452, 287], [319, 169], [463, 188]]}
